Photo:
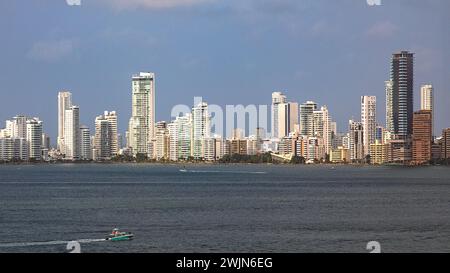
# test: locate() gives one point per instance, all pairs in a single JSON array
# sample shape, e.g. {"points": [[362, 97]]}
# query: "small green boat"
{"points": [[116, 236]]}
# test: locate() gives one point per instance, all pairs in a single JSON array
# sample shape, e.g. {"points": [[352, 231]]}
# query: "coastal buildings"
{"points": [[141, 127]]}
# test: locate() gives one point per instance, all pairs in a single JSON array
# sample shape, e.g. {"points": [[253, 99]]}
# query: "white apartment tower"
{"points": [[64, 103], [427, 100], [111, 117], [102, 139], [369, 121], [34, 138], [200, 129], [277, 99], [72, 133], [142, 123], [85, 143], [322, 127], [307, 118], [356, 140]]}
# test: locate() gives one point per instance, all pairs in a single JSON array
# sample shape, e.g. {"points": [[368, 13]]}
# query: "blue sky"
{"points": [[229, 52]]}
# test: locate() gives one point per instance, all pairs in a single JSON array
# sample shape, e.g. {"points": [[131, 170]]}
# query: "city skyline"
{"points": [[294, 54], [307, 132]]}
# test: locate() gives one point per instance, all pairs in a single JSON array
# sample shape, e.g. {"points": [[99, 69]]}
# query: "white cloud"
{"points": [[51, 51], [153, 4]]}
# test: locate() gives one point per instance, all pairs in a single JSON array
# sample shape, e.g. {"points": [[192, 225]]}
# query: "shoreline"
{"points": [[214, 164]]}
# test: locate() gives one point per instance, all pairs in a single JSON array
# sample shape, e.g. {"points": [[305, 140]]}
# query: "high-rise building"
{"points": [[142, 123], [200, 128], [369, 121], [356, 139], [379, 153], [389, 89], [180, 131], [307, 118], [34, 138], [427, 101], [277, 99], [46, 141], [422, 137], [162, 141], [72, 133], [64, 103], [85, 143], [400, 94], [445, 154], [111, 117], [17, 127], [322, 127], [102, 141], [288, 118]]}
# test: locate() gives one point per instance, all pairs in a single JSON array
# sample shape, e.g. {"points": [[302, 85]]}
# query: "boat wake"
{"points": [[81, 241], [229, 172]]}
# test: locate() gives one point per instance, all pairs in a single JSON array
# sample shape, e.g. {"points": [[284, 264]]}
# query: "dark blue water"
{"points": [[243, 208]]}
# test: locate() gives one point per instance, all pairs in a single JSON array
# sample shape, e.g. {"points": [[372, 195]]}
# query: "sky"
{"points": [[227, 51]]}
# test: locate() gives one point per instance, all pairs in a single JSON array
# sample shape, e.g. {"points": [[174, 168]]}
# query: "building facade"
{"points": [[369, 121], [142, 122]]}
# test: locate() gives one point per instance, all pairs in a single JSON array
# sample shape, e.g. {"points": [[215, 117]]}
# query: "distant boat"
{"points": [[183, 170], [116, 236]]}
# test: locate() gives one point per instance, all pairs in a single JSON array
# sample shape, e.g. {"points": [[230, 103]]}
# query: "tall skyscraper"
{"points": [[162, 141], [356, 141], [17, 127], [307, 118], [72, 133], [369, 121], [180, 131], [102, 139], [277, 99], [34, 138], [389, 88], [142, 123], [201, 128], [427, 100], [85, 143], [288, 118], [422, 137], [322, 127], [111, 117], [64, 103], [445, 154], [400, 108]]}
